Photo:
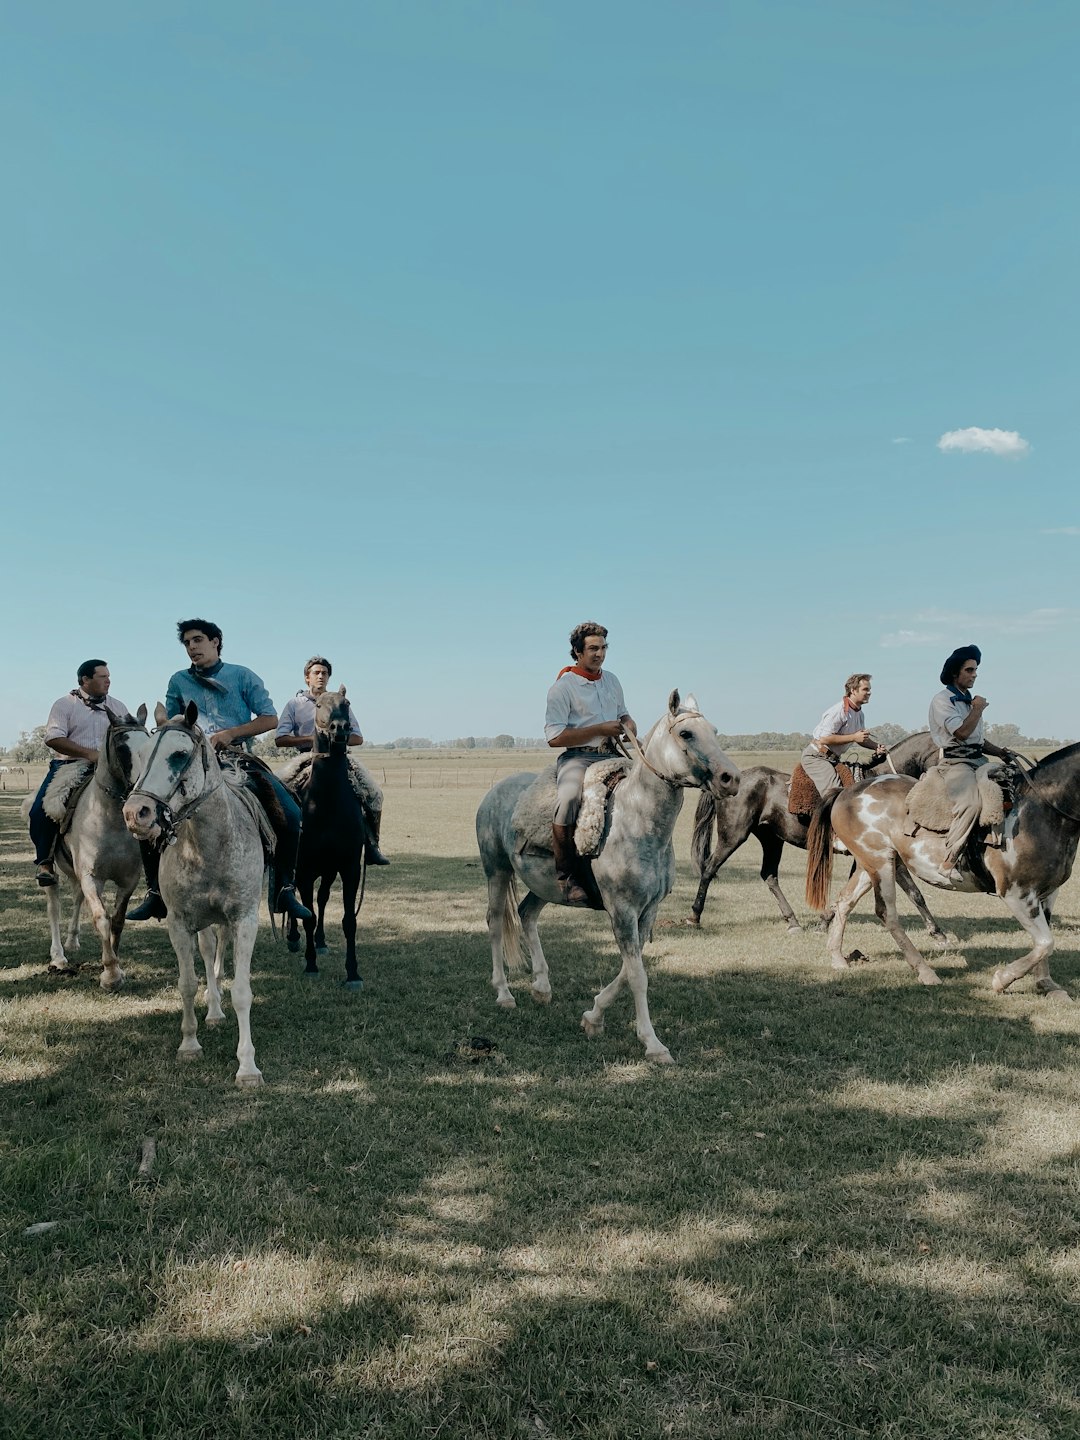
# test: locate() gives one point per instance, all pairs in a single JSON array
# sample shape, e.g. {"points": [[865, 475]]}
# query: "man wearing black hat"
{"points": [[956, 728]]}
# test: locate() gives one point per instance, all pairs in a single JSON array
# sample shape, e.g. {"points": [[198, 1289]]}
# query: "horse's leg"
{"points": [[112, 977], [628, 938], [73, 941], [212, 949], [292, 935], [1045, 984], [858, 883], [915, 895], [183, 942], [1034, 918], [726, 845], [499, 904], [885, 892], [321, 947], [306, 888], [350, 887], [772, 848], [529, 914], [243, 938], [59, 964]]}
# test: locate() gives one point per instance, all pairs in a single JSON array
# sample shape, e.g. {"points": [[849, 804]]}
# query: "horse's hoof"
{"points": [[1055, 994], [694, 922], [62, 967], [928, 976], [840, 964], [250, 1082], [542, 997], [592, 1028], [1001, 981], [112, 983], [939, 941], [506, 1002], [662, 1056], [213, 1021], [294, 946], [187, 1056], [352, 984]]}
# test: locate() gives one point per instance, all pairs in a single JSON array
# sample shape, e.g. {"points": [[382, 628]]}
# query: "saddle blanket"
{"points": [[296, 774], [533, 812], [65, 787], [928, 804], [803, 793]]}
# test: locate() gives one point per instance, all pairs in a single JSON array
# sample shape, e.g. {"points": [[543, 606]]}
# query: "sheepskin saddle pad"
{"points": [[928, 805], [65, 787], [297, 773], [531, 819], [803, 793]]}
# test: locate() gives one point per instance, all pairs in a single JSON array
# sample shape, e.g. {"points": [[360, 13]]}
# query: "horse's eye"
{"points": [[686, 734]]}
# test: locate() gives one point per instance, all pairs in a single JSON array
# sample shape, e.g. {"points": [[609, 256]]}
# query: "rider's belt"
{"points": [[961, 752]]}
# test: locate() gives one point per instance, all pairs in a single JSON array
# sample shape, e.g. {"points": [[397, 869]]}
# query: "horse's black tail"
{"points": [[704, 816], [819, 853]]}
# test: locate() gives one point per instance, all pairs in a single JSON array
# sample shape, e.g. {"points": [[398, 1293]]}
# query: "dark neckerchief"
{"points": [[206, 677], [958, 694], [92, 702]]}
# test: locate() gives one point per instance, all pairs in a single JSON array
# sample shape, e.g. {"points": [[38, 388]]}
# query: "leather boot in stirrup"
{"points": [[562, 842]]}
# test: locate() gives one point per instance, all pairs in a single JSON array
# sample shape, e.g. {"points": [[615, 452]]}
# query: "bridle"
{"points": [[114, 792], [171, 818], [628, 740]]}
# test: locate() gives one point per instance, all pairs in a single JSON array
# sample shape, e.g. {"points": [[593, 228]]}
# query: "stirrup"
{"points": [[574, 893], [153, 907], [289, 902], [46, 874]]}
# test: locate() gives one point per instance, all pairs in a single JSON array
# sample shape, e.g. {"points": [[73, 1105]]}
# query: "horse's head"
{"points": [[175, 772], [684, 750], [332, 718], [126, 744]]}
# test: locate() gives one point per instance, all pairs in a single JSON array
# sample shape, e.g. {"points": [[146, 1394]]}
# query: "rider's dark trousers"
{"points": [[43, 831]]}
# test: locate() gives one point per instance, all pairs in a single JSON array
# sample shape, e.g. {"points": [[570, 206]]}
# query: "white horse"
{"points": [[97, 850], [211, 872], [634, 871]]}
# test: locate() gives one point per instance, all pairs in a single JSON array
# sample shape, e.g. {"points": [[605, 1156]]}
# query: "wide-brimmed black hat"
{"points": [[951, 668]]}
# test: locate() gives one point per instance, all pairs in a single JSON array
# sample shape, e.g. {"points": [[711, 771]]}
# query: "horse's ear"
{"points": [[140, 714], [191, 713], [691, 704], [341, 691], [673, 702], [160, 714]]}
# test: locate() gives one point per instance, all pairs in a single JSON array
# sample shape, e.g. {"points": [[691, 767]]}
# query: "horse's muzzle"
{"points": [[725, 783], [141, 818]]}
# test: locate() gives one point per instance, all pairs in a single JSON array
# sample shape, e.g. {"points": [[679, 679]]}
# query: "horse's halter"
{"points": [[170, 818], [110, 769], [629, 737]]}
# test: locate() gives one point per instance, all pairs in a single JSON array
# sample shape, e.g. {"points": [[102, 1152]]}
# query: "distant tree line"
{"points": [[1008, 736]]}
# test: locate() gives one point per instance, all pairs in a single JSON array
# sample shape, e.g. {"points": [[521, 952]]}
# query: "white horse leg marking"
{"points": [[183, 942], [1032, 916], [92, 890], [852, 893], [886, 891], [212, 950], [628, 938], [73, 942], [58, 961], [499, 903], [243, 938], [529, 913]]}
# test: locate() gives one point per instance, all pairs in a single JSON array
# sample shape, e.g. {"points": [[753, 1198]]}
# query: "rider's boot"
{"points": [[152, 907], [372, 825], [562, 840]]}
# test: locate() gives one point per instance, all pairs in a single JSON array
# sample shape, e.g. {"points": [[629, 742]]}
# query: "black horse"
{"points": [[332, 838], [760, 809]]}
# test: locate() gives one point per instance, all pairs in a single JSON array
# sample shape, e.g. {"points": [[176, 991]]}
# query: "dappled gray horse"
{"points": [[634, 870], [761, 809], [1038, 847], [211, 869], [97, 850]]}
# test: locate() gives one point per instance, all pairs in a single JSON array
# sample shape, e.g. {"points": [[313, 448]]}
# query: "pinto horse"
{"points": [[332, 836], [634, 870], [761, 809], [1036, 857]]}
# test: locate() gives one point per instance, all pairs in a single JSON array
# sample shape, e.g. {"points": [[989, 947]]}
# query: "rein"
{"points": [[99, 772], [628, 738], [170, 819]]}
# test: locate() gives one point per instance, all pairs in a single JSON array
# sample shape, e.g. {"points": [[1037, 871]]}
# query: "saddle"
{"points": [[803, 794], [531, 820], [296, 776], [63, 792], [928, 806]]}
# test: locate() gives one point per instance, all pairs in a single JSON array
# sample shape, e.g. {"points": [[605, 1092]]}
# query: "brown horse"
{"points": [[761, 809], [1038, 847]]}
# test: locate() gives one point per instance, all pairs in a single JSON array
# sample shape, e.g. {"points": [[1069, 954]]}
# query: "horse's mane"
{"points": [[1048, 763]]}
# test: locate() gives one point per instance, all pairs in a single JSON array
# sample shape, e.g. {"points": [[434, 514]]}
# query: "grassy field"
{"points": [[852, 1208]]}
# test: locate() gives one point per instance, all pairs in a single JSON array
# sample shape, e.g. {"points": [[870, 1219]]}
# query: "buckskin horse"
{"points": [[761, 809], [633, 872], [211, 872], [1036, 857]]}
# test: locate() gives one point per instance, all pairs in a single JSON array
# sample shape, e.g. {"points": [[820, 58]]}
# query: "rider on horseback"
{"points": [[75, 730], [233, 707], [840, 726], [585, 713], [956, 727], [297, 727]]}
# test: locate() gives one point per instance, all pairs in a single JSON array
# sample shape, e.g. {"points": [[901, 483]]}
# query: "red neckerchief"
{"points": [[578, 670], [850, 709]]}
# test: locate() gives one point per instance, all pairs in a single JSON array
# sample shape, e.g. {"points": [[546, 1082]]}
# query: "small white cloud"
{"points": [[1063, 530], [975, 440], [901, 440], [908, 637]]}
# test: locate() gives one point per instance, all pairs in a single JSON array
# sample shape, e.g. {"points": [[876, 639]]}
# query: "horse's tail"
{"points": [[510, 931], [819, 853], [704, 816]]}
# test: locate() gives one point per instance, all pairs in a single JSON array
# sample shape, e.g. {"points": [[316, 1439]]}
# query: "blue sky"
{"points": [[415, 333]]}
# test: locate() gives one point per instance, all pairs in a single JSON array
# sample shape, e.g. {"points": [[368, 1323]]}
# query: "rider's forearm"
{"points": [[63, 746], [289, 742], [259, 726], [574, 736], [356, 739]]}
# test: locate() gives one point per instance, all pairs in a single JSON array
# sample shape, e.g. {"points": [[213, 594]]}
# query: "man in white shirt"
{"points": [[585, 712], [840, 726], [75, 730]]}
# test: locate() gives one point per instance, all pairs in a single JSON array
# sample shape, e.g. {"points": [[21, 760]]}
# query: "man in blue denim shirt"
{"points": [[233, 708]]}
